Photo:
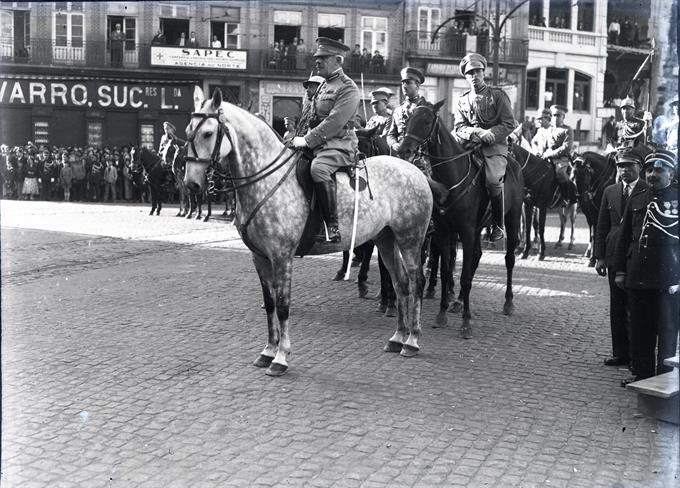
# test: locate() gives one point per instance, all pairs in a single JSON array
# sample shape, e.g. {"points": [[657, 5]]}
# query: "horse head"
{"points": [[420, 128], [582, 174], [208, 139]]}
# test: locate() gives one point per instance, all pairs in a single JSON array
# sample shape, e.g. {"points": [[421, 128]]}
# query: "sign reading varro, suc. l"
{"points": [[193, 57]]}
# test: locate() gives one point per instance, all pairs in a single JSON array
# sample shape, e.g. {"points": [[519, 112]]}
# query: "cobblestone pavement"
{"points": [[127, 343]]}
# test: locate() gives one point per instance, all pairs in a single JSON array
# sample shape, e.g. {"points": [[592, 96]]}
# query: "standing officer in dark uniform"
{"points": [[647, 264], [330, 136], [628, 163], [484, 114]]}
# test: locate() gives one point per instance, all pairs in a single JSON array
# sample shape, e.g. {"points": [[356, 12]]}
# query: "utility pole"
{"points": [[496, 28]]}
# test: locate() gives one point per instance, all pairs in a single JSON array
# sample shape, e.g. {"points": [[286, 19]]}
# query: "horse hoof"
{"points": [[206, 219], [558, 244], [466, 331], [263, 361], [441, 320], [391, 311], [570, 247], [591, 263], [276, 369], [408, 351], [339, 276], [363, 290], [541, 257], [392, 346], [508, 308], [429, 293], [151, 213], [525, 255], [456, 307]]}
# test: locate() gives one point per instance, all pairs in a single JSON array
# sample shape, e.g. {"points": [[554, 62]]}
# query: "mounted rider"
{"points": [[330, 134], [630, 131], [411, 79], [559, 149], [541, 140], [483, 114], [169, 145], [382, 119]]}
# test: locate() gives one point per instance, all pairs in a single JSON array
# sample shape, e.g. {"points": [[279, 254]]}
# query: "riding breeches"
{"points": [[328, 161], [495, 172]]}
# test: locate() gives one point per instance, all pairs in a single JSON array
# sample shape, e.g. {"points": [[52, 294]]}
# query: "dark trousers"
{"points": [[653, 313], [619, 318]]}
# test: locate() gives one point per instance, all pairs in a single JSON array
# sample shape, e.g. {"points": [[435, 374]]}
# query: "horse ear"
{"points": [[217, 99], [198, 98], [439, 104]]}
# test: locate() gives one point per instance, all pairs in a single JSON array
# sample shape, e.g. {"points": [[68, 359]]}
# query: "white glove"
{"points": [[487, 137], [299, 142]]}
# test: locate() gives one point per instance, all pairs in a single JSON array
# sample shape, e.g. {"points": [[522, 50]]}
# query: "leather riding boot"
{"points": [[497, 215], [325, 193]]}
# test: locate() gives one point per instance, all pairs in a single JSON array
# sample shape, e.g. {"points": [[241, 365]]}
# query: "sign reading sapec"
{"points": [[192, 57]]}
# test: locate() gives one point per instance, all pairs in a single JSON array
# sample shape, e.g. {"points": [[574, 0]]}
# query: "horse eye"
{"points": [[207, 135]]}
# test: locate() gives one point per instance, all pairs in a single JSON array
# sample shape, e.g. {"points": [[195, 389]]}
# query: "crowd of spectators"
{"points": [[289, 55], [624, 33], [76, 174]]}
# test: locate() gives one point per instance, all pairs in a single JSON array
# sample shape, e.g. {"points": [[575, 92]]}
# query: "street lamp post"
{"points": [[496, 28]]}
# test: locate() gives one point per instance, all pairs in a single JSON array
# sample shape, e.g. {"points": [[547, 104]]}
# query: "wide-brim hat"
{"points": [[313, 79], [411, 73], [329, 47], [558, 109], [660, 158], [472, 61], [628, 102]]}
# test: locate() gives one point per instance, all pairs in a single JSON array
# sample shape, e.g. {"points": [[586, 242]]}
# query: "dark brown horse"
{"points": [[465, 209], [157, 175], [593, 173]]}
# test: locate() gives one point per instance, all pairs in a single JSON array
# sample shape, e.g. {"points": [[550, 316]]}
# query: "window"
{"points": [[94, 133], [41, 132], [68, 25], [536, 13], [332, 26], [170, 10], [581, 92], [129, 26], [556, 87], [146, 135], [428, 21], [586, 14], [532, 89], [374, 34], [284, 17], [173, 29], [225, 24], [560, 14]]}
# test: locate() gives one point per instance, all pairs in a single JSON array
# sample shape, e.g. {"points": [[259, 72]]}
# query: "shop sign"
{"points": [[204, 58], [95, 94]]}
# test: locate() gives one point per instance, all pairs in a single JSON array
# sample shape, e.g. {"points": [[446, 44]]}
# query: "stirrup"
{"points": [[497, 233]]}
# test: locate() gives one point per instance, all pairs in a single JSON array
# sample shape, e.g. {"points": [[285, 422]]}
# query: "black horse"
{"points": [[460, 183], [541, 193], [157, 176], [593, 173]]}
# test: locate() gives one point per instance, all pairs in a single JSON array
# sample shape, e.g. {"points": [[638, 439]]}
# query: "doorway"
{"points": [[173, 28]]}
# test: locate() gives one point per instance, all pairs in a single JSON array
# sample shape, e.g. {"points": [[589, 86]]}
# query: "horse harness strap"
{"points": [[222, 130]]}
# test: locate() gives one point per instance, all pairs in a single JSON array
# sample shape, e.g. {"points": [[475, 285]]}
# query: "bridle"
{"points": [[222, 131]]}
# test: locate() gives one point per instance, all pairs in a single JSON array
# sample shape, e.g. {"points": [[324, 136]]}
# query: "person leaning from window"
{"points": [[333, 143], [117, 40], [647, 265], [159, 39], [484, 115]]}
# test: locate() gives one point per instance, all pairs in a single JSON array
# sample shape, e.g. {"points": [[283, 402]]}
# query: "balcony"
{"points": [[454, 46], [98, 54], [563, 40]]}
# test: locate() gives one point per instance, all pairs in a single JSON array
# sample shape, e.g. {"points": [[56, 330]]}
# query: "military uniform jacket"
{"points": [[167, 149], [559, 145], [397, 128], [382, 122], [541, 141], [488, 110], [630, 132], [333, 107], [303, 125], [647, 249], [609, 220]]}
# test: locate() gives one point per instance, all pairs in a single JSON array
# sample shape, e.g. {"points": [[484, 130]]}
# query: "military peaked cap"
{"points": [[558, 109], [545, 113], [660, 158], [381, 94], [472, 61], [329, 47], [414, 74], [628, 102], [313, 79], [169, 125], [628, 155]]}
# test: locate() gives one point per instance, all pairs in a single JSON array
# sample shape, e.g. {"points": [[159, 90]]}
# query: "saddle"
{"points": [[314, 219]]}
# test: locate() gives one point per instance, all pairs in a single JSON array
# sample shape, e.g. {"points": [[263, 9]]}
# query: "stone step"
{"points": [[663, 386], [674, 361]]}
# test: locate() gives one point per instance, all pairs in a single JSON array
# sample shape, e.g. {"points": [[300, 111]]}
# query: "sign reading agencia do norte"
{"points": [[191, 57], [95, 94]]}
